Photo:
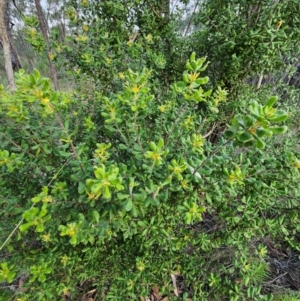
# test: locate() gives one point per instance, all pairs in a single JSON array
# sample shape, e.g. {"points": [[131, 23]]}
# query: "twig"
{"points": [[212, 154], [154, 11], [211, 131], [20, 222], [260, 80], [16, 145], [190, 21], [272, 281]]}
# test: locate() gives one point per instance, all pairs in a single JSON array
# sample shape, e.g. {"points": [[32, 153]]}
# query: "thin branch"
{"points": [[212, 154], [211, 131], [21, 221], [272, 281], [191, 19]]}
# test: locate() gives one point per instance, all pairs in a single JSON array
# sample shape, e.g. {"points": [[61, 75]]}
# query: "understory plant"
{"points": [[125, 194]]}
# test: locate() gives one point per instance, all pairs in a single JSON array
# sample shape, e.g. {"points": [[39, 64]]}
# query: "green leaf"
{"points": [[229, 134], [106, 193], [122, 196], [154, 201], [153, 146], [278, 130], [134, 211], [278, 117], [40, 227], [73, 239], [261, 132], [81, 188], [122, 146], [96, 188], [96, 216], [65, 154], [259, 143], [25, 227], [160, 144], [139, 197], [128, 204], [244, 137], [202, 80], [271, 101]]}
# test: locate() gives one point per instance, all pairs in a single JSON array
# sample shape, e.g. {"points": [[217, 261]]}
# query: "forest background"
{"points": [[149, 150]]}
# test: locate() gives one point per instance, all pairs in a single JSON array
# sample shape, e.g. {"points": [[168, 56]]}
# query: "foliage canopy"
{"points": [[150, 177]]}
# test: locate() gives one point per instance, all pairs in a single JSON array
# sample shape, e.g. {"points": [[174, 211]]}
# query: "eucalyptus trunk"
{"points": [[6, 47], [43, 26]]}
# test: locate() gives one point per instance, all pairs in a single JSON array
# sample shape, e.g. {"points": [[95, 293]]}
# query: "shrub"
{"points": [[121, 192]]}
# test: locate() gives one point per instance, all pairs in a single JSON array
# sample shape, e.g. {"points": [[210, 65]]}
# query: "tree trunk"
{"points": [[43, 26], [14, 55], [6, 47]]}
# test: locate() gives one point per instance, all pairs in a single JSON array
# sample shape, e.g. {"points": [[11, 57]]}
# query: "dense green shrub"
{"points": [[246, 38], [145, 180], [119, 197]]}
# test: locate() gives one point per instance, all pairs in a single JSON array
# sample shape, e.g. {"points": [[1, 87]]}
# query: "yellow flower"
{"points": [[155, 156], [75, 113], [121, 75], [129, 43], [38, 93], [149, 38], [85, 27], [130, 284], [197, 142], [193, 76], [47, 199], [64, 260], [135, 89], [263, 251], [246, 266], [46, 237], [162, 108], [51, 56], [72, 229], [81, 38], [140, 266], [13, 108], [184, 184], [45, 101], [65, 291], [188, 123], [297, 164], [91, 196], [236, 177], [108, 60], [4, 161], [254, 127], [32, 32], [49, 109]]}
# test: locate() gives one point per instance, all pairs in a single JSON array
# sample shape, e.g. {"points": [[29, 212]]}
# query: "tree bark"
{"points": [[6, 47], [15, 60], [43, 26]]}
